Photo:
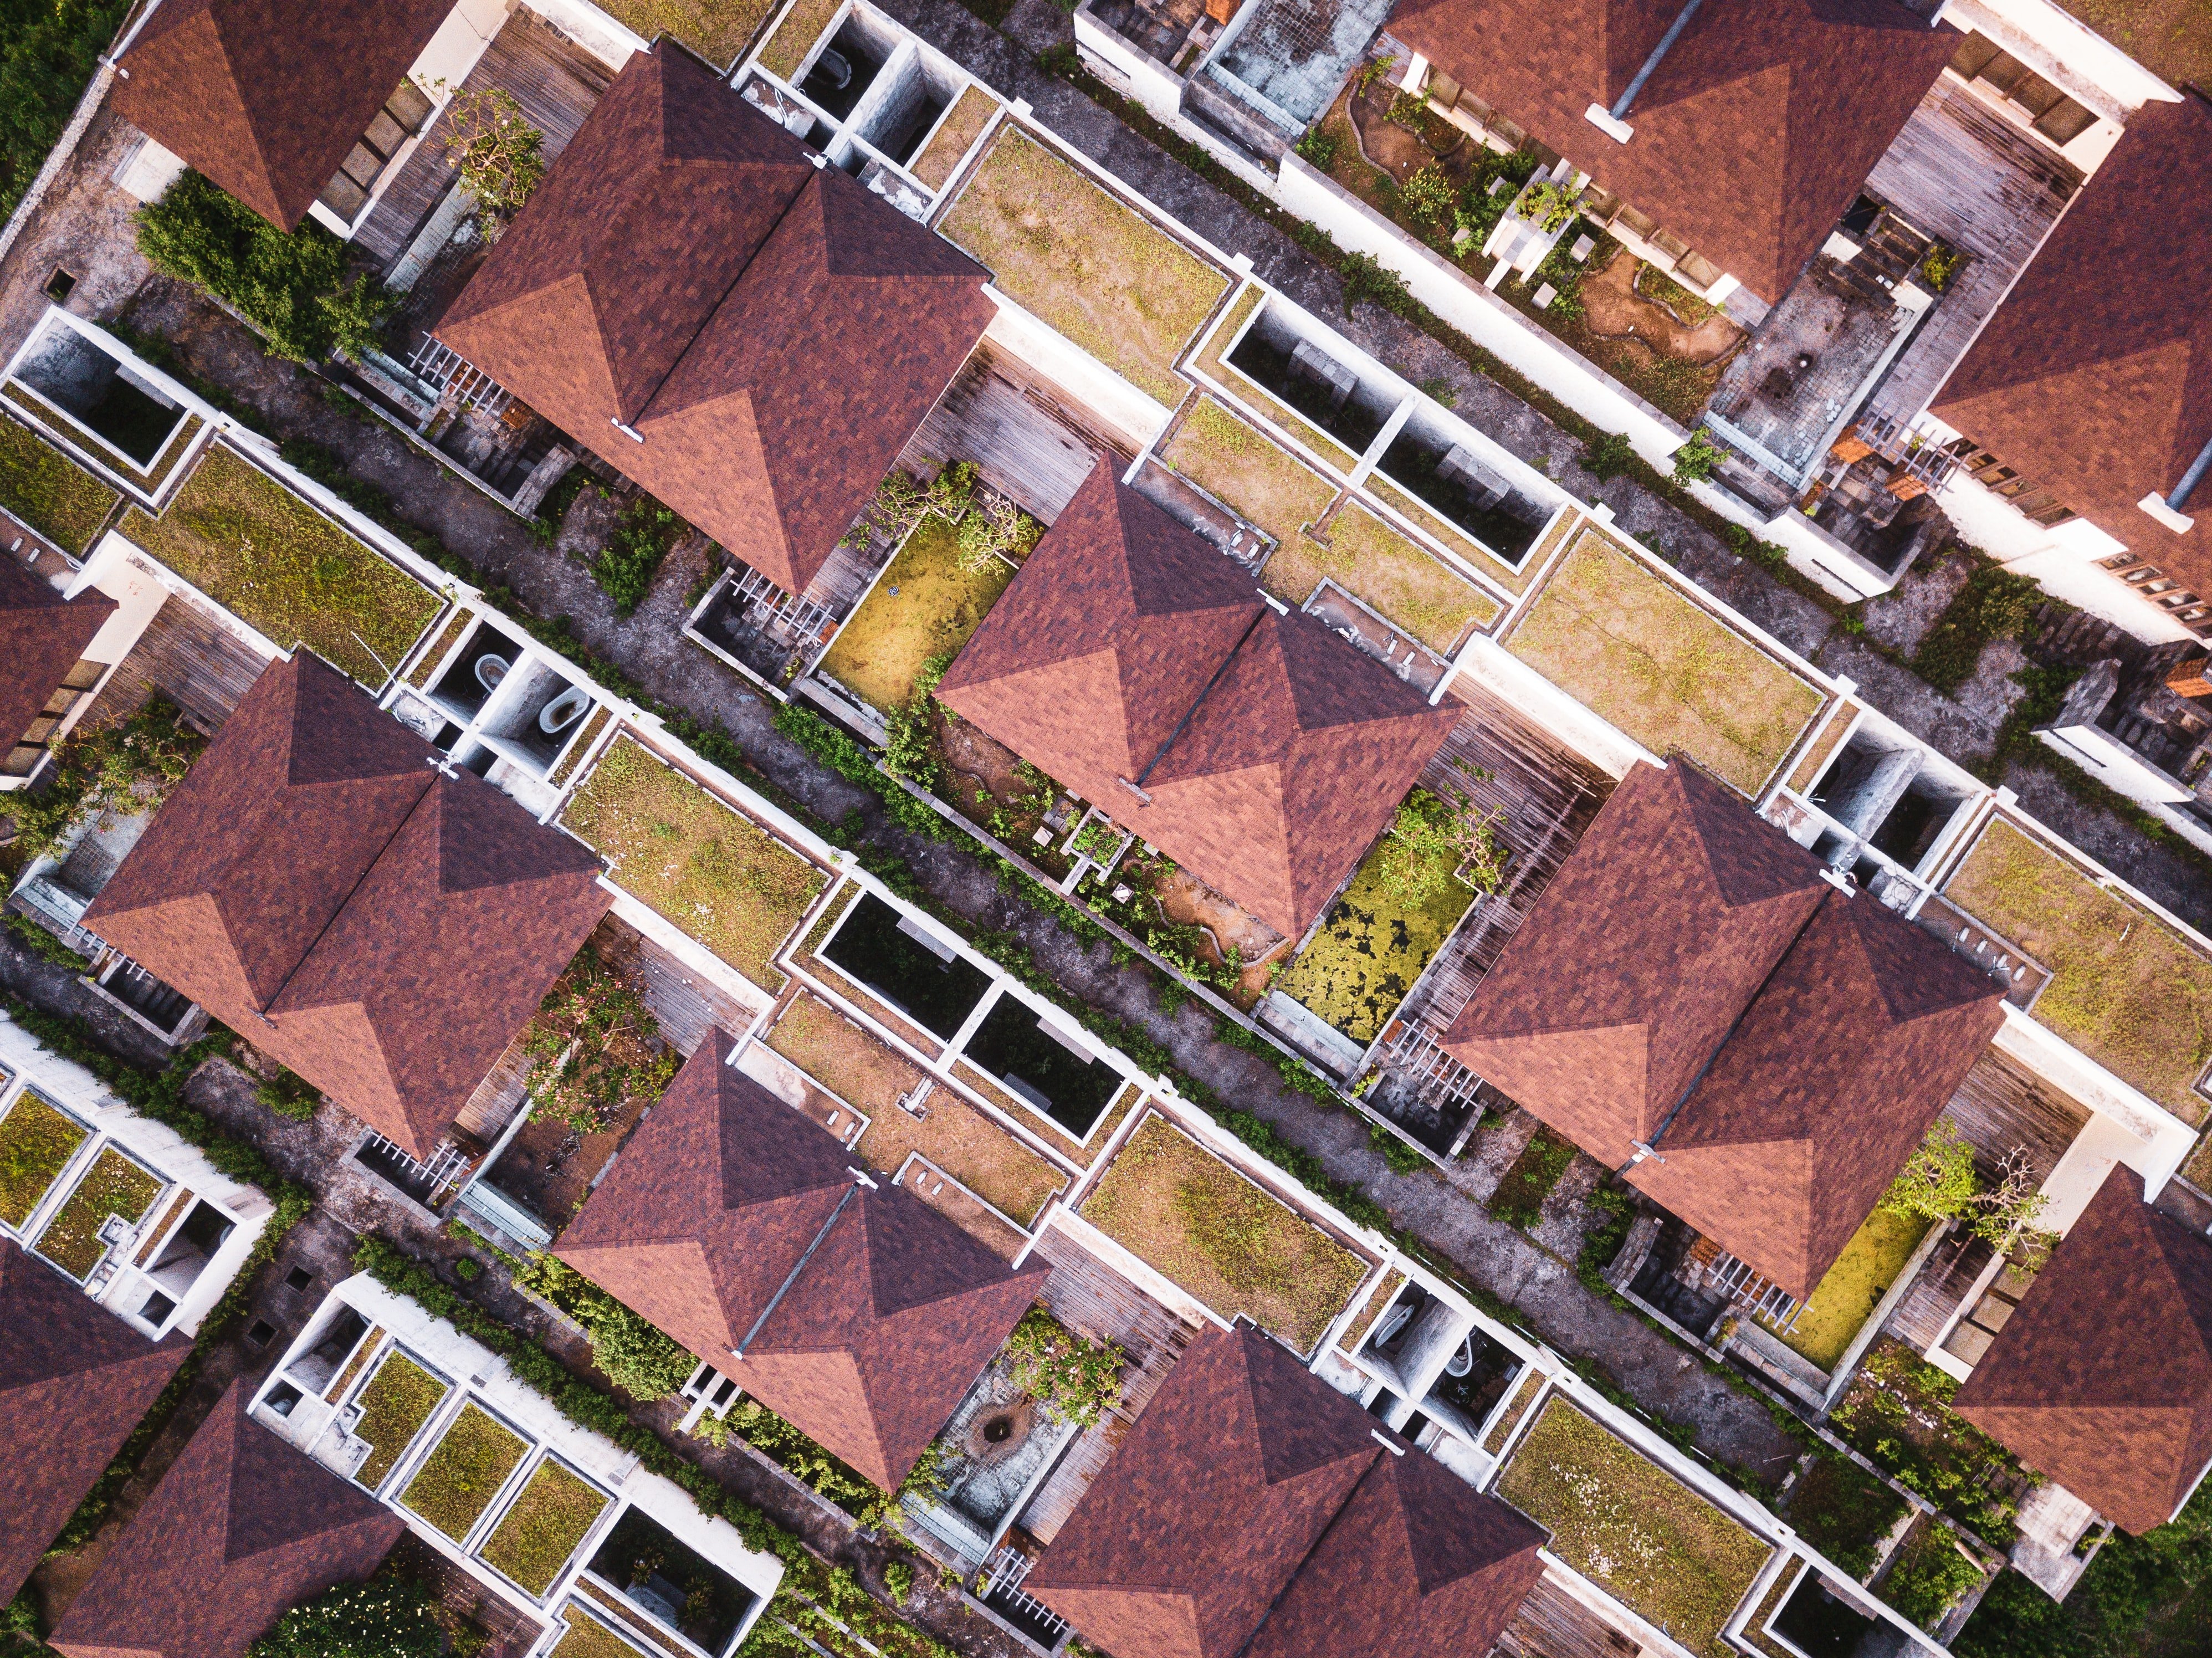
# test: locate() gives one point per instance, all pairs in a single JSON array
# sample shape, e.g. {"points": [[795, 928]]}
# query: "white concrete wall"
{"points": [[2156, 1142], [1133, 414], [1150, 81], [610, 42], [2114, 764], [2064, 51]]}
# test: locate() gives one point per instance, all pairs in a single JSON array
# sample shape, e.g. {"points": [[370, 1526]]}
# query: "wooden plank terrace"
{"points": [[1927, 1307], [1547, 796], [1552, 1624], [1023, 435], [200, 667], [2001, 1107], [1960, 171], [556, 82], [1087, 1295]]}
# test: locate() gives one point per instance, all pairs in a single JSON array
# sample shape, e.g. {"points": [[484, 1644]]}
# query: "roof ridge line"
{"points": [[1258, 615], [1374, 1452]]}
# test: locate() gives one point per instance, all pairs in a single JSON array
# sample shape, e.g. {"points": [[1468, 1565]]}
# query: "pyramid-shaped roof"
{"points": [[1250, 1508], [1129, 651], [1751, 138], [42, 636], [241, 1529], [268, 97], [1865, 1029], [732, 1222], [318, 884], [2094, 377], [1689, 981], [1419, 1564], [75, 1380], [2102, 1378], [1637, 958], [772, 330]]}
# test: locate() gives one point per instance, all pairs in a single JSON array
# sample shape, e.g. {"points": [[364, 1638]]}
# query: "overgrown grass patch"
{"points": [[954, 134], [1262, 482], [49, 491], [1896, 1413], [542, 1528], [398, 1401], [1375, 564], [718, 30], [971, 1148], [259, 550], [1068, 252], [1931, 1575], [37, 1140], [1181, 1209], [1844, 1511], [1519, 1198], [588, 1637], [925, 604], [1619, 640], [114, 1185], [464, 1472], [787, 48], [2125, 989], [829, 1048], [715, 874], [1621, 1520], [1371, 948], [1842, 1302]]}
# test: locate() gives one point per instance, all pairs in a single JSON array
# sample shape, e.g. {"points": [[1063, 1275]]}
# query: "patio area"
{"points": [[1548, 797]]}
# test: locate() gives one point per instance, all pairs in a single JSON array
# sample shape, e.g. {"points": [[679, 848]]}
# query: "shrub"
{"points": [[292, 287], [898, 1578], [633, 1354], [1429, 194], [625, 567], [1319, 147], [47, 55], [594, 1046], [124, 768], [1695, 460], [501, 157], [1519, 1198], [1398, 1156], [1929, 1576], [1608, 455], [1995, 604], [289, 1095], [1075, 1380], [383, 1620], [1365, 278]]}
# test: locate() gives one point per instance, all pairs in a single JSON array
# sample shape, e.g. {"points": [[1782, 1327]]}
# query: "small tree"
{"points": [[1074, 1380], [358, 1620], [2005, 1214], [1431, 838], [1937, 1181], [501, 156], [1695, 460], [993, 528]]}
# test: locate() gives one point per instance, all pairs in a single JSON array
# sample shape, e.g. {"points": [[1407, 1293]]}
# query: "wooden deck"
{"points": [[688, 1007], [1552, 1624], [498, 1096], [1549, 796], [1087, 1295], [1960, 171], [1054, 1501], [1927, 1307], [187, 658], [2001, 1107], [556, 82], [1021, 432]]}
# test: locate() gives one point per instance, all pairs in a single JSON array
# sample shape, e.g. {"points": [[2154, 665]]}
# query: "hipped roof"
{"points": [[2094, 377], [1751, 138], [1253, 1508], [75, 1380], [772, 331], [268, 97], [1128, 650], [42, 636], [2102, 1377], [380, 926], [1689, 981], [721, 1193], [241, 1529]]}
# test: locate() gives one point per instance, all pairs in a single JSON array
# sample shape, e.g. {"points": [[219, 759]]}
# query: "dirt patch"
{"points": [[1384, 143], [1613, 309], [1188, 901]]}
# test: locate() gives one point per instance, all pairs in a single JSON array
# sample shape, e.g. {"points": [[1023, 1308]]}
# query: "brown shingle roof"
{"points": [[1752, 137], [395, 925], [2094, 377], [1850, 1050], [267, 97], [774, 331], [1253, 1508], [715, 1200], [2102, 1378], [1292, 761], [241, 1529], [1652, 938], [42, 637], [1689, 981], [73, 1381]]}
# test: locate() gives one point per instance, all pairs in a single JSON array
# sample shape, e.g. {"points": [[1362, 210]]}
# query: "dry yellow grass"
{"points": [[1261, 481], [2125, 989], [953, 135], [841, 1056], [1427, 518], [1180, 1209], [968, 1146], [1068, 252], [788, 50], [1373, 563], [1623, 642]]}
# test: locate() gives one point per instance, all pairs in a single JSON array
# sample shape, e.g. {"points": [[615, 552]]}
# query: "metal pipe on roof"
{"points": [[1621, 104], [2192, 477]]}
